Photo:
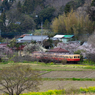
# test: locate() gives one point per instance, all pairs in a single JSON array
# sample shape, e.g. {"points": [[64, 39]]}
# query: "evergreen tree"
{"points": [[5, 5], [3, 18], [93, 3], [67, 8], [19, 6], [46, 13]]}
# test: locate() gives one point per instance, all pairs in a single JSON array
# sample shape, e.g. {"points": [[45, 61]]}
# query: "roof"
{"points": [[68, 36], [3, 44], [58, 50], [28, 38], [58, 36], [54, 38], [63, 36], [24, 35]]}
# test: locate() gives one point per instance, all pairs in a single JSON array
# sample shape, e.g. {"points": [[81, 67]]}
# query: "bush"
{"points": [[88, 62], [91, 57], [25, 58], [49, 92], [89, 89], [64, 61], [72, 91]]}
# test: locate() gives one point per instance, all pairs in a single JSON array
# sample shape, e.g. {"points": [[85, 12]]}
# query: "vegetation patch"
{"points": [[49, 92], [70, 79], [88, 89], [71, 91]]}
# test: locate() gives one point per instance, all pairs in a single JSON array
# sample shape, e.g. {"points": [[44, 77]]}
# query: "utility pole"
{"points": [[0, 32], [42, 33]]}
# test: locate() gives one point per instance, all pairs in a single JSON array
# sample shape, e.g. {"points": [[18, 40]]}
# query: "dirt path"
{"points": [[69, 74]]}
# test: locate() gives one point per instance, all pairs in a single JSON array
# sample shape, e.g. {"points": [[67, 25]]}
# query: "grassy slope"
{"points": [[52, 67]]}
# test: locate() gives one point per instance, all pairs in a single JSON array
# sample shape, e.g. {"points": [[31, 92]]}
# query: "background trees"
{"points": [[17, 78], [73, 5], [27, 23], [46, 13], [91, 39], [72, 23], [93, 3], [30, 5], [33, 47], [24, 13]]}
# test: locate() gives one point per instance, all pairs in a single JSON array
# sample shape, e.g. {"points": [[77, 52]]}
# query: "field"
{"points": [[67, 76], [63, 76]]}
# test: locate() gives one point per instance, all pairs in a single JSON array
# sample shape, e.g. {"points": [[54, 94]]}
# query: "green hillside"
{"points": [[22, 16]]}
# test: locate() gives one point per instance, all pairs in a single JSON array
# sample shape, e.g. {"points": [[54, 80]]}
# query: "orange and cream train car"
{"points": [[57, 56]]}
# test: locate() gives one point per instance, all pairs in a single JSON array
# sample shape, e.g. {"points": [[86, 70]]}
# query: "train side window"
{"points": [[74, 56], [78, 57], [71, 57], [66, 56]]}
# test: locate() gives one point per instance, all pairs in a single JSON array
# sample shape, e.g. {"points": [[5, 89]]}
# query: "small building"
{"points": [[67, 38], [64, 38], [58, 50]]}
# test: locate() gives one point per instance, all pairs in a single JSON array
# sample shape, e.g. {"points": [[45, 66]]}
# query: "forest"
{"points": [[25, 16]]}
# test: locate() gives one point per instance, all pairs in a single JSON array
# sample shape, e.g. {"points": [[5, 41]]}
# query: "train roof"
{"points": [[56, 53]]}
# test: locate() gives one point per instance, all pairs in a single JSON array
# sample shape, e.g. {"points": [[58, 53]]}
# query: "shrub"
{"points": [[25, 58], [89, 89], [72, 91], [89, 62], [49, 92], [64, 61], [91, 57]]}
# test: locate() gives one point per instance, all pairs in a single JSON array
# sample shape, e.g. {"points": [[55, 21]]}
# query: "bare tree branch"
{"points": [[16, 79]]}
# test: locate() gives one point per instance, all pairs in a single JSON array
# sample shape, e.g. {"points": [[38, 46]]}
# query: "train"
{"points": [[47, 56]]}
